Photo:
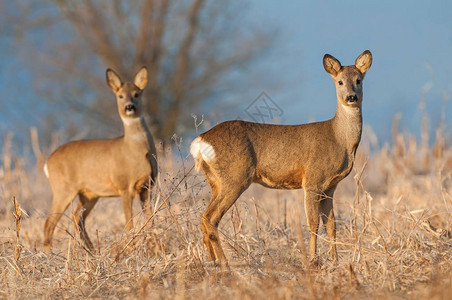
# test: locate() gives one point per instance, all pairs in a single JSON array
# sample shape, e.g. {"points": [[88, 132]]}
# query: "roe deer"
{"points": [[315, 157], [91, 169]]}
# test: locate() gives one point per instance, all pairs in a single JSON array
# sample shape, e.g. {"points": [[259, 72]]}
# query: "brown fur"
{"points": [[105, 168], [315, 157]]}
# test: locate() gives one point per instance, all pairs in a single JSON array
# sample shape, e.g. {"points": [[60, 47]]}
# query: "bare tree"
{"points": [[189, 47]]}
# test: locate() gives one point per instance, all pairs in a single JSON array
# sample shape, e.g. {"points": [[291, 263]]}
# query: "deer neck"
{"points": [[347, 126], [136, 132]]}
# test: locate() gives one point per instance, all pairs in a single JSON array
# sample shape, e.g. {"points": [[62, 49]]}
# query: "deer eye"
{"points": [[136, 95], [358, 81], [340, 82], [121, 96]]}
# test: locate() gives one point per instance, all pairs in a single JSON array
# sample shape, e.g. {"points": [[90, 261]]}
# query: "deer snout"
{"points": [[352, 98], [130, 109]]}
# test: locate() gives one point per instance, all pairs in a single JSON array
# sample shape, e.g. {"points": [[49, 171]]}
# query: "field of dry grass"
{"points": [[394, 219]]}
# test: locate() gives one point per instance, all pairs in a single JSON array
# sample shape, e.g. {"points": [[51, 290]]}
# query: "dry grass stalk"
{"points": [[19, 246], [304, 257], [354, 282], [34, 138], [164, 202], [5, 280]]}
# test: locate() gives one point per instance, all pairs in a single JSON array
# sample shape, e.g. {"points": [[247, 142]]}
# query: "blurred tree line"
{"points": [[191, 48]]}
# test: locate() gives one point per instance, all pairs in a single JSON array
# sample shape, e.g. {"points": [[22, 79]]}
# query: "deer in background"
{"points": [[91, 169], [314, 156]]}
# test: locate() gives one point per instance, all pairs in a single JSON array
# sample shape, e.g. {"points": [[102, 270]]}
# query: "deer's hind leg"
{"points": [[145, 190], [226, 195], [211, 180], [61, 200], [145, 199]]}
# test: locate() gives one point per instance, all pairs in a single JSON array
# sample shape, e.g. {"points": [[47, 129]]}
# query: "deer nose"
{"points": [[130, 107], [352, 98]]}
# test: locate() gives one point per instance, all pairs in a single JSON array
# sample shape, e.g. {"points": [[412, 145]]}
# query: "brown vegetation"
{"points": [[393, 219]]}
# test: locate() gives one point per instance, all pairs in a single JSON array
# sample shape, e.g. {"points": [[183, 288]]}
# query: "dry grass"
{"points": [[394, 236]]}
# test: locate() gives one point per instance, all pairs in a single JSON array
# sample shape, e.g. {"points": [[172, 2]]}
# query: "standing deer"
{"points": [[92, 169], [314, 156]]}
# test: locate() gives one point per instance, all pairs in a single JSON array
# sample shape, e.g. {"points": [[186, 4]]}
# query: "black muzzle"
{"points": [[130, 108], [352, 98]]}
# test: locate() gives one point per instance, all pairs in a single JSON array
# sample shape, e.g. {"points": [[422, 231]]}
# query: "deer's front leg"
{"points": [[127, 199], [312, 201], [327, 214]]}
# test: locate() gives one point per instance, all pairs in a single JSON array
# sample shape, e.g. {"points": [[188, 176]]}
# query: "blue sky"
{"points": [[411, 42]]}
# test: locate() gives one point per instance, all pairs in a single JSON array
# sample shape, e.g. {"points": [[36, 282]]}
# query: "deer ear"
{"points": [[331, 64], [364, 61], [113, 80], [141, 79]]}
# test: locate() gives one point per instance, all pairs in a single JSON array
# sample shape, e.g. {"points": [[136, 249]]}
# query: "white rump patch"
{"points": [[198, 146], [205, 149], [46, 171]]}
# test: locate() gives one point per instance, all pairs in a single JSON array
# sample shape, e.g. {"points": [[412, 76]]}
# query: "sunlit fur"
{"points": [[315, 157]]}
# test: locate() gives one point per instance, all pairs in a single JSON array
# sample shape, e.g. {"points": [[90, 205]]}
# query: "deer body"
{"points": [[315, 157], [122, 166]]}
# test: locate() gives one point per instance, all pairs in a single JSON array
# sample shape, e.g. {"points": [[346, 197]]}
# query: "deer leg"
{"points": [[327, 214], [61, 200], [212, 217], [127, 201], [145, 198], [214, 192], [85, 207], [311, 203]]}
